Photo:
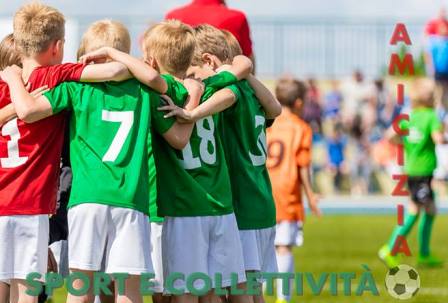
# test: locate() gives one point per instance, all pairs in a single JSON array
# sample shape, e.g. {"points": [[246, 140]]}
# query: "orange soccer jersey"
{"points": [[289, 145]]}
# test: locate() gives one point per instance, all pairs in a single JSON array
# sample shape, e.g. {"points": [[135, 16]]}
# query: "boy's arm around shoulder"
{"points": [[139, 69], [112, 71], [26, 106], [179, 134], [241, 67], [271, 105], [7, 113]]}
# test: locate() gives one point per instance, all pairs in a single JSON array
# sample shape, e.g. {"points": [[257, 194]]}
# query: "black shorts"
{"points": [[420, 189], [441, 77]]}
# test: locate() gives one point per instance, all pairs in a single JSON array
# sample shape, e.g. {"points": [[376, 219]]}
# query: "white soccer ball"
{"points": [[402, 282]]}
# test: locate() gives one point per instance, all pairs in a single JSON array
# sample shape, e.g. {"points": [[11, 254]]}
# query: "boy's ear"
{"points": [[153, 63], [207, 59], [298, 103], [58, 47]]}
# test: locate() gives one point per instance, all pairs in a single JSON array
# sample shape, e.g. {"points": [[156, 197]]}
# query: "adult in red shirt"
{"points": [[216, 13]]}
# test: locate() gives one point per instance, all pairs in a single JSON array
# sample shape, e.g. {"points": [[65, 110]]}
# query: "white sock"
{"points": [[285, 264]]}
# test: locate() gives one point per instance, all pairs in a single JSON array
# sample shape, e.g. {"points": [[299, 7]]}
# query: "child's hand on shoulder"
{"points": [[182, 115], [11, 74], [97, 56]]}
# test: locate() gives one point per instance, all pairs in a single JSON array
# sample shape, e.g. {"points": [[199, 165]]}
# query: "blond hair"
{"points": [[36, 26], [210, 40], [232, 42], [105, 33], [288, 90], [422, 92], [171, 43], [8, 53]]}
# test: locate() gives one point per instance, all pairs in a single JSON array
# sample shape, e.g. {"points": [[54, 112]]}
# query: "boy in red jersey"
{"points": [[31, 150]]}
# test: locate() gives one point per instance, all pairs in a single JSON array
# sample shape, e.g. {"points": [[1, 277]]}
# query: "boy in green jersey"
{"points": [[241, 125], [424, 132], [110, 144]]}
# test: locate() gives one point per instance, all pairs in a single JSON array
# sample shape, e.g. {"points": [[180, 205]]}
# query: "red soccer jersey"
{"points": [[30, 153], [216, 13]]}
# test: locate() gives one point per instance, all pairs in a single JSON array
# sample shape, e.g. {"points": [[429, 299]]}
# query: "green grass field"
{"points": [[342, 243]]}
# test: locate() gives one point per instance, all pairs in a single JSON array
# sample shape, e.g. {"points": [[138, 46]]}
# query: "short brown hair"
{"points": [[289, 90], [8, 53], [210, 40], [232, 42], [172, 44], [105, 33], [36, 26]]}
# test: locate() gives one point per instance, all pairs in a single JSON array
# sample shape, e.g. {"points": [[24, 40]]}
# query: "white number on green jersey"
{"points": [[126, 120], [207, 136], [11, 129], [260, 159]]}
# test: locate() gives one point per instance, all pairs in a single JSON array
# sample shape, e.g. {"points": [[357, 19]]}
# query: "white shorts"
{"points": [[122, 235], [289, 233], [23, 246], [60, 253], [209, 245], [441, 172], [156, 255], [259, 250]]}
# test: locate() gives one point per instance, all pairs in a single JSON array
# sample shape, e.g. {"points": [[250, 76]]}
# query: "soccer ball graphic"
{"points": [[402, 282]]}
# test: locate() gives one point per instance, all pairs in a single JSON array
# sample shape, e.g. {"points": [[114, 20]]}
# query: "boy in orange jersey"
{"points": [[289, 158]]}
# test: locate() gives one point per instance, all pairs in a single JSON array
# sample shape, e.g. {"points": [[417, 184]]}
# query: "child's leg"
{"points": [[409, 221], [79, 284], [288, 235], [4, 292], [241, 298], [210, 298], [186, 298], [425, 228], [132, 291], [285, 262], [18, 292]]}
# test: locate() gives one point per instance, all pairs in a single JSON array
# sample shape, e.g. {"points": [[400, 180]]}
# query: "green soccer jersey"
{"points": [[243, 132], [109, 141], [177, 92], [195, 181], [420, 150]]}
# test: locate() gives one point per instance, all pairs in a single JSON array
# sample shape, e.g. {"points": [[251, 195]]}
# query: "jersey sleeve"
{"points": [[303, 156], [64, 73], [60, 98], [220, 80], [176, 90], [159, 123], [236, 91]]}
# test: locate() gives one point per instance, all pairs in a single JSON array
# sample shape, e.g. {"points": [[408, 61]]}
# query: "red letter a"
{"points": [[401, 246], [400, 34]]}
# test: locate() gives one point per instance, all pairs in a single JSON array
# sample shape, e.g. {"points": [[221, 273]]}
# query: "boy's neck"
{"points": [[178, 76], [31, 63]]}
